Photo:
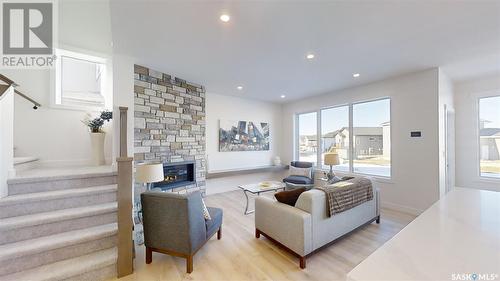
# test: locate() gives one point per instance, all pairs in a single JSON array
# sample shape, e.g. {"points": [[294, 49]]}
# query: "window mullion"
{"points": [[319, 147], [351, 140], [294, 139]]}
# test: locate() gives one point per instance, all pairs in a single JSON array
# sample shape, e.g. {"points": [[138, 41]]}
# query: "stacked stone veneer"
{"points": [[169, 121]]}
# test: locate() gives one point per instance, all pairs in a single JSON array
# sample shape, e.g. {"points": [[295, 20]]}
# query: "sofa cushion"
{"points": [[305, 172], [214, 224], [289, 197], [298, 180]]}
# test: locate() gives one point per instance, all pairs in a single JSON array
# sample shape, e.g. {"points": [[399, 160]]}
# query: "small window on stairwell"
{"points": [[81, 81]]}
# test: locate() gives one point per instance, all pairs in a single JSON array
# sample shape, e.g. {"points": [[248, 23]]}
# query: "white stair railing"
{"points": [[6, 136]]}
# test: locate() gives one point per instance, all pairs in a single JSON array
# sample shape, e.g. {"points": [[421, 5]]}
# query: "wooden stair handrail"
{"points": [[14, 84], [3, 89], [36, 104], [7, 80]]}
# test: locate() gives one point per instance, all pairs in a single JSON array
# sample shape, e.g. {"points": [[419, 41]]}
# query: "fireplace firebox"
{"points": [[178, 174]]}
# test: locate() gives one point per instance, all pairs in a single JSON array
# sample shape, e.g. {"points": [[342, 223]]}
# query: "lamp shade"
{"points": [[331, 159], [148, 173]]}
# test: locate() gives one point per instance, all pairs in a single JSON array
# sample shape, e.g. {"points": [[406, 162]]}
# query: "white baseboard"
{"points": [[401, 208], [68, 163], [240, 169]]}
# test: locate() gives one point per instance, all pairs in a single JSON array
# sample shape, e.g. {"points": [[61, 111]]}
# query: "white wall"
{"points": [[123, 95], [414, 185], [467, 150], [57, 136], [234, 108], [6, 137], [446, 104]]}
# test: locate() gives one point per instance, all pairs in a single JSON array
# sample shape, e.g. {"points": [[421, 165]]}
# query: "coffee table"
{"points": [[257, 188]]}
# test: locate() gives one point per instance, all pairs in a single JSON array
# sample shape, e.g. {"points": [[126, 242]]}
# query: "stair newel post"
{"points": [[125, 263], [125, 243], [123, 131]]}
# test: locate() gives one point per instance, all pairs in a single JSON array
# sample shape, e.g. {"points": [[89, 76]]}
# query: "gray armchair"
{"points": [[174, 224], [294, 181]]}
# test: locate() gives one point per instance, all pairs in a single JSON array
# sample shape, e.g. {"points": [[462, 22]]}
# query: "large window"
{"points": [[335, 135], [363, 146], [489, 136], [371, 137], [308, 137], [80, 81]]}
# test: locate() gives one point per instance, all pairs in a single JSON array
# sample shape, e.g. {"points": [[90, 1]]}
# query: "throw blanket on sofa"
{"points": [[344, 195]]}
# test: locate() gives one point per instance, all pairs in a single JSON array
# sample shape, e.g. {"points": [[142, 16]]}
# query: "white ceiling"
{"points": [[263, 46]]}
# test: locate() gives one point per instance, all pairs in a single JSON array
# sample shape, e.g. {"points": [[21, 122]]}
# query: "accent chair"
{"points": [[295, 181], [174, 224]]}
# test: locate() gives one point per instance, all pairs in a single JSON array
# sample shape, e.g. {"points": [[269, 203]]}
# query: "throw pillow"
{"points": [[305, 172], [289, 197], [206, 214]]}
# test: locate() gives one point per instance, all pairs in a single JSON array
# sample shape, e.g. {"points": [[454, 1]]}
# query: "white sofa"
{"points": [[306, 227]]}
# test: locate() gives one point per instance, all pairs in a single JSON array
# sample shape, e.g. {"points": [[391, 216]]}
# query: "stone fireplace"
{"points": [[169, 126]]}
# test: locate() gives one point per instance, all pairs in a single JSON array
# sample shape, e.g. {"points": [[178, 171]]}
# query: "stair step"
{"points": [[96, 266], [42, 224], [35, 184], [30, 203], [23, 255]]}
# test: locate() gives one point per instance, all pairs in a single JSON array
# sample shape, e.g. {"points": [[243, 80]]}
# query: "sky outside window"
{"points": [[490, 111]]}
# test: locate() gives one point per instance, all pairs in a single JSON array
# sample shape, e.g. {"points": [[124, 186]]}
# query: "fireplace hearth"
{"points": [[177, 174]]}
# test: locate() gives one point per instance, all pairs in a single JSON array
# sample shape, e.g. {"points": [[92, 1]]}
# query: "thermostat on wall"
{"points": [[416, 134]]}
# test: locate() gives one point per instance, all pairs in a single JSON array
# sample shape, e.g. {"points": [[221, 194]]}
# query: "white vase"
{"points": [[277, 161], [97, 147]]}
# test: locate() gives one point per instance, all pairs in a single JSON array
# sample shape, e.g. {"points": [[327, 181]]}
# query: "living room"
{"points": [[240, 140]]}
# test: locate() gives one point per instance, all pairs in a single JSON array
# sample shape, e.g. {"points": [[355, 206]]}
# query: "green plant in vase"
{"points": [[97, 135], [95, 124]]}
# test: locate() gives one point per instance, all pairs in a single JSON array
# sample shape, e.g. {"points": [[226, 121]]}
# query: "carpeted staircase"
{"points": [[59, 228]]}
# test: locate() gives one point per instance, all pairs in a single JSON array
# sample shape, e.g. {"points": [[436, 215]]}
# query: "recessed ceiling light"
{"points": [[225, 18], [283, 96], [355, 75], [310, 56], [239, 88]]}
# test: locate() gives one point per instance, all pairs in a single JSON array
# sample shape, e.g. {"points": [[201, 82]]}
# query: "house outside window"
{"points": [[489, 137], [363, 145], [334, 136], [307, 137], [80, 81], [371, 152]]}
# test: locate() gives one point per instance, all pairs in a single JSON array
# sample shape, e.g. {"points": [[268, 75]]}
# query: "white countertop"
{"points": [[459, 234]]}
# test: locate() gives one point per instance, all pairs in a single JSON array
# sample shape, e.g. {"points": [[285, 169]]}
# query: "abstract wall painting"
{"points": [[243, 136]]}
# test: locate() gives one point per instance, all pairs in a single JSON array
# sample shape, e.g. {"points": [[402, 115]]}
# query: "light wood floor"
{"points": [[240, 256]]}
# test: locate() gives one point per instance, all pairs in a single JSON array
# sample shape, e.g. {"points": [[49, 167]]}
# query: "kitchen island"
{"points": [[455, 238]]}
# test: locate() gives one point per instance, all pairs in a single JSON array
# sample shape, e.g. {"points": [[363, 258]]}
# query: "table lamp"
{"points": [[148, 173], [331, 159]]}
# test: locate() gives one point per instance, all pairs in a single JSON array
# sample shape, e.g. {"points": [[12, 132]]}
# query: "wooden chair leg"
{"points": [[189, 264], [149, 255], [257, 233], [302, 262], [219, 233]]}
